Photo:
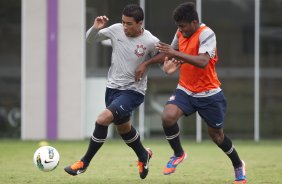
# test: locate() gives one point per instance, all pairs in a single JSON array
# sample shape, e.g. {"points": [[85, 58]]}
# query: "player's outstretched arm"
{"points": [[99, 23]]}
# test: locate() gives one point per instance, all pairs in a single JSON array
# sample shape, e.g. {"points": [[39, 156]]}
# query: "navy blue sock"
{"points": [[96, 141], [172, 135], [132, 139], [230, 151]]}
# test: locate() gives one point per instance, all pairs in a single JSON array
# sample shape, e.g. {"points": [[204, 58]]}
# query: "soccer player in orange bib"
{"points": [[193, 51]]}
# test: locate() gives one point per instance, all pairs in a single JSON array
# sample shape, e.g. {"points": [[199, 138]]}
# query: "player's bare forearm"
{"points": [[200, 60], [157, 59]]}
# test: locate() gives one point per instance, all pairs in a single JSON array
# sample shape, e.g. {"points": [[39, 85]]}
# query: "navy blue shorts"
{"points": [[212, 108], [121, 103]]}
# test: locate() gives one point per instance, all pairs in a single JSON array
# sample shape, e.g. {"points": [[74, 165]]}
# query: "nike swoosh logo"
{"points": [[121, 107], [218, 124], [47, 162], [79, 172], [146, 166]]}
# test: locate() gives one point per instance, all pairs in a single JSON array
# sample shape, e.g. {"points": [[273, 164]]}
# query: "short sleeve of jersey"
{"points": [[103, 34], [154, 50], [174, 43], [109, 31], [207, 42]]}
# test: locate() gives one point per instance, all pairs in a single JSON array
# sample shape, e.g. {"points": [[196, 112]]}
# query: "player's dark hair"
{"points": [[135, 11], [185, 12]]}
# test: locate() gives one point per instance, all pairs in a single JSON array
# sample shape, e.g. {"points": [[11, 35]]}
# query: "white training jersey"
{"points": [[127, 54]]}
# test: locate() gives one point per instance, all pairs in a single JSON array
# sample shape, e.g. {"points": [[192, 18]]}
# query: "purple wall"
{"points": [[52, 69]]}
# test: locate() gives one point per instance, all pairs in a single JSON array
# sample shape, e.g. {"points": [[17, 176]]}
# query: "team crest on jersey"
{"points": [[140, 50]]}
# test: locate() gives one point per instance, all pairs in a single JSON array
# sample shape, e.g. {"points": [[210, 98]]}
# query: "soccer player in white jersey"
{"points": [[132, 45]]}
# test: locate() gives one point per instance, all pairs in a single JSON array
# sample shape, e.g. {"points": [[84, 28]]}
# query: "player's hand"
{"points": [[100, 22], [171, 65], [165, 48], [139, 72]]}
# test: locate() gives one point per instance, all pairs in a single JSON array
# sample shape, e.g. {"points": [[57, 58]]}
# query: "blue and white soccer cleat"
{"points": [[172, 163], [240, 174]]}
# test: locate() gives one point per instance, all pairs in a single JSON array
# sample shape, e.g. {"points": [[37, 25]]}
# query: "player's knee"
{"points": [[168, 119], [124, 128], [216, 135], [104, 119], [217, 138]]}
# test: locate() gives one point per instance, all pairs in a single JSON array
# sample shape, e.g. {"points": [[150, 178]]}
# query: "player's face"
{"points": [[131, 27], [186, 28]]}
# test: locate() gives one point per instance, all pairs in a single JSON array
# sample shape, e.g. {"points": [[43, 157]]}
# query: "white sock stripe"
{"points": [[97, 140], [172, 136], [133, 139], [230, 151]]}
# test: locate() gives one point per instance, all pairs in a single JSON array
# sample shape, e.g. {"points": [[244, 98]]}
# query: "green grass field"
{"points": [[115, 163]]}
